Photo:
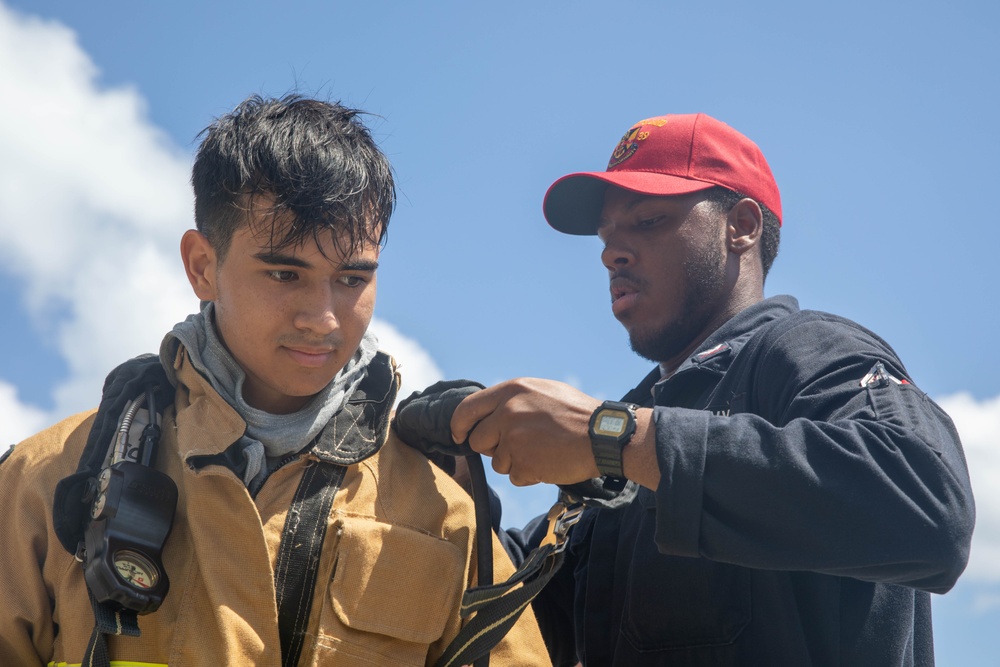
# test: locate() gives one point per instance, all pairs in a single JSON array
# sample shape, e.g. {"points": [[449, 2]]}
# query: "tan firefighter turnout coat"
{"points": [[398, 552]]}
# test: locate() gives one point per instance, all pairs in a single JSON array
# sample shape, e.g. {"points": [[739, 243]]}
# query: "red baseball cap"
{"points": [[667, 155]]}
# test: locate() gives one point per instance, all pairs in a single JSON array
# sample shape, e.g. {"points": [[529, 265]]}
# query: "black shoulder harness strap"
{"points": [[356, 433]]}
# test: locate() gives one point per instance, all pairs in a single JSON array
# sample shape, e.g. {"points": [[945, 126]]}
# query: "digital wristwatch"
{"points": [[611, 428]]}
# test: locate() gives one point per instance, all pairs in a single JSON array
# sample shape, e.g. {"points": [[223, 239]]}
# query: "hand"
{"points": [[535, 430]]}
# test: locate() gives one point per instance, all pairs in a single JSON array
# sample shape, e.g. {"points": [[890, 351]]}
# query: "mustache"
{"points": [[624, 278], [331, 342]]}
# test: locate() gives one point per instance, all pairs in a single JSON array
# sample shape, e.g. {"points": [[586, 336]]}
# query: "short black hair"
{"points": [[315, 160], [770, 238]]}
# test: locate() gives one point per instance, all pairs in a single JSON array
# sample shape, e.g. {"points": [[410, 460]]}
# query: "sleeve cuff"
{"points": [[681, 447]]}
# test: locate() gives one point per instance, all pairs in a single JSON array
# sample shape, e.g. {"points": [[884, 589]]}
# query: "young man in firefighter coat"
{"points": [[276, 383]]}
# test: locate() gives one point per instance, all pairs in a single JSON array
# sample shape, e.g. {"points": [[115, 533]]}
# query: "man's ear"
{"points": [[744, 225], [200, 264]]}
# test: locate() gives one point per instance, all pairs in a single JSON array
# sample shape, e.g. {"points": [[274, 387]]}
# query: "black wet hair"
{"points": [[313, 164]]}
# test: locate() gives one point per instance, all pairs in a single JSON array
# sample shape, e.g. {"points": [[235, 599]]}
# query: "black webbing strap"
{"points": [[110, 619], [299, 553], [484, 531], [497, 607]]}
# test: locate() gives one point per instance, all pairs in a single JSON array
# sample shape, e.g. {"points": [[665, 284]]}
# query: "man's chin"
{"points": [[643, 346], [658, 346], [307, 391]]}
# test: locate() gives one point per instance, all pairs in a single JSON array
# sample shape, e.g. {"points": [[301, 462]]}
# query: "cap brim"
{"points": [[573, 203]]}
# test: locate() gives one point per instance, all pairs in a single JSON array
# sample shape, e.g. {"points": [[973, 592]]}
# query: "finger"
{"points": [[501, 463], [473, 409], [485, 435], [520, 480]]}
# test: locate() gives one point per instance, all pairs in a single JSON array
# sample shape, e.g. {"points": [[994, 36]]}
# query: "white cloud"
{"points": [[19, 420], [416, 366], [986, 603], [93, 201], [978, 424], [84, 175]]}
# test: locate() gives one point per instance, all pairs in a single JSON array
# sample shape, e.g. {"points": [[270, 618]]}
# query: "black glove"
{"points": [[591, 492], [423, 420]]}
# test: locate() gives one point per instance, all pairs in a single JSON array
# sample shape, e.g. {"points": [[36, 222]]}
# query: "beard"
{"points": [[705, 276]]}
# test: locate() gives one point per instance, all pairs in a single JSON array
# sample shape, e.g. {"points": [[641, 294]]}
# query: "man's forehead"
{"points": [[334, 245], [272, 226]]}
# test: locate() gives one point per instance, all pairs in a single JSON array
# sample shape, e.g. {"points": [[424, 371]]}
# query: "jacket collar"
{"points": [[361, 427], [352, 435], [206, 423], [722, 346], [717, 352]]}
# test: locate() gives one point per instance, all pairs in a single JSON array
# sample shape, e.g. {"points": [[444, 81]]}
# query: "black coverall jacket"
{"points": [[810, 498]]}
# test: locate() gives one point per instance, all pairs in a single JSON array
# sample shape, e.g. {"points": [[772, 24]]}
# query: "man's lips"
{"points": [[624, 293], [310, 357]]}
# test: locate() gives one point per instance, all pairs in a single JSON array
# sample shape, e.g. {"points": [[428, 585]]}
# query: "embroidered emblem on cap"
{"points": [[629, 143]]}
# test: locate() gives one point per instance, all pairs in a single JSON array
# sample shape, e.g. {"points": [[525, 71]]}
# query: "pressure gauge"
{"points": [[136, 570]]}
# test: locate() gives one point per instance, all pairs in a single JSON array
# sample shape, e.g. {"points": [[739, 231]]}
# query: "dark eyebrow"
{"points": [[279, 259], [359, 265]]}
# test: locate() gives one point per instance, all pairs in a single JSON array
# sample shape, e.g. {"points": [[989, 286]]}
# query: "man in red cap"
{"points": [[785, 494]]}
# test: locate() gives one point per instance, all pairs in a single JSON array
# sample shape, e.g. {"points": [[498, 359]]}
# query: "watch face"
{"points": [[610, 423], [136, 570]]}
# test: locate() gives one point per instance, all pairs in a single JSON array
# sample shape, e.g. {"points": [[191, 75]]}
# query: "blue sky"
{"points": [[878, 119]]}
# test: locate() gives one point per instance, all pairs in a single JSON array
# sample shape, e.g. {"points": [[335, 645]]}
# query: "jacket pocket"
{"points": [[675, 602], [392, 594]]}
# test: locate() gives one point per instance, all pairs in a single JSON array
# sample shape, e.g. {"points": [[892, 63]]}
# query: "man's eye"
{"points": [[283, 276], [649, 222], [353, 281]]}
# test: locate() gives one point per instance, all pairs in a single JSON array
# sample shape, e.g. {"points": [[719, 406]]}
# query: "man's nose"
{"points": [[617, 254], [316, 313]]}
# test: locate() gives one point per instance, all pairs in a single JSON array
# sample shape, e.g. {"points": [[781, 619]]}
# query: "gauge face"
{"points": [[136, 570]]}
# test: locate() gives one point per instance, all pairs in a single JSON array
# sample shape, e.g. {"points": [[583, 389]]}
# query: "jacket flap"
{"points": [[395, 581]]}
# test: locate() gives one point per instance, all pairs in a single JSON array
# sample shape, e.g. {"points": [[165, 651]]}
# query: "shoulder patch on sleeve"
{"points": [[878, 376]]}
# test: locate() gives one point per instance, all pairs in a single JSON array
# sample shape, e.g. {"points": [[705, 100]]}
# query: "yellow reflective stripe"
{"points": [[114, 663]]}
